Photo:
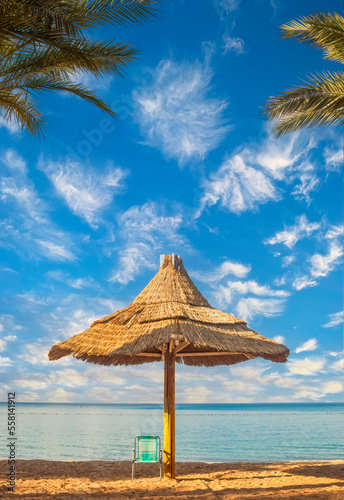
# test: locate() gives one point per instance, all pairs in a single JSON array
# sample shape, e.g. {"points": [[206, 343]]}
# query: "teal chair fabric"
{"points": [[147, 448]]}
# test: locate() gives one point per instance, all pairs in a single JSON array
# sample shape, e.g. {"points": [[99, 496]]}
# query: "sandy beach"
{"points": [[105, 480]]}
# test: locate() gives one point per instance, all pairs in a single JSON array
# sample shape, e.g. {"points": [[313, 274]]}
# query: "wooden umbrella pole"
{"points": [[169, 413]]}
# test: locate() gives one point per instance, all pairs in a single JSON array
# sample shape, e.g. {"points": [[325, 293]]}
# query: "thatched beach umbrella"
{"points": [[169, 321]]}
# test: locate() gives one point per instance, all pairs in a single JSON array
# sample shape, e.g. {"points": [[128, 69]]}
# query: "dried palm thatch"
{"points": [[169, 311]]}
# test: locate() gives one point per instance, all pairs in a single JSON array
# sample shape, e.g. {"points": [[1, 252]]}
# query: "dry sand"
{"points": [[98, 480]]}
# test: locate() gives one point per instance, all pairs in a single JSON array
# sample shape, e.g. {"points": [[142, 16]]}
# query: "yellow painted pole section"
{"points": [[169, 416]]}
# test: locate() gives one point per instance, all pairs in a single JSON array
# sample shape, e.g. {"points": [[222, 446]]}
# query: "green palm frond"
{"points": [[320, 101], [19, 108], [321, 30], [43, 44]]}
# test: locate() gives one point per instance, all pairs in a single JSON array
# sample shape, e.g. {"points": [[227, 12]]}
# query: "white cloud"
{"points": [[334, 159], [37, 354], [68, 378], [224, 294], [225, 8], [55, 251], [5, 340], [76, 283], [5, 361], [279, 338], [175, 113], [334, 232], [292, 234], [335, 319], [337, 366], [8, 324], [102, 394], [145, 230], [14, 161], [249, 307], [218, 273], [132, 260], [91, 81], [306, 366], [197, 394], [86, 191], [234, 44], [11, 125], [253, 287], [278, 157], [250, 176], [62, 396], [309, 345], [237, 187], [322, 265], [31, 299], [332, 387], [287, 260], [31, 384], [303, 282], [308, 183], [28, 227], [25, 197]]}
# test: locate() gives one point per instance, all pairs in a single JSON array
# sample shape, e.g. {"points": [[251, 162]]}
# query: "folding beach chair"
{"points": [[147, 449]]}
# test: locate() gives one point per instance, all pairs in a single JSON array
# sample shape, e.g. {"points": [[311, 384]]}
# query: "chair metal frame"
{"points": [[159, 454]]}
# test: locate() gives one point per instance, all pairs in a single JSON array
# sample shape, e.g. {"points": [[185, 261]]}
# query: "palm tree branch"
{"points": [[319, 101], [19, 108], [320, 30]]}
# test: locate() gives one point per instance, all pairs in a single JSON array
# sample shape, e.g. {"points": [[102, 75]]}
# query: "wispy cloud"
{"points": [[12, 126], [176, 113], [308, 183], [279, 338], [249, 307], [334, 159], [250, 176], [76, 283], [228, 267], [234, 44], [323, 264], [334, 232], [335, 319], [306, 366], [14, 161], [309, 345], [224, 293], [4, 341], [237, 187], [28, 227], [145, 230], [303, 282], [55, 251], [287, 260], [292, 234], [86, 191]]}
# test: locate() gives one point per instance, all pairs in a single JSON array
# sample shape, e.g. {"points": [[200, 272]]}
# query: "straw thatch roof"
{"points": [[169, 308]]}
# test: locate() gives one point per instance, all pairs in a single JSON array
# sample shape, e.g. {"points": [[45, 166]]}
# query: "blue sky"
{"points": [[191, 168]]}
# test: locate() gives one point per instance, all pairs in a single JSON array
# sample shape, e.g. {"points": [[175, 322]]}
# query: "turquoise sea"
{"points": [[209, 433]]}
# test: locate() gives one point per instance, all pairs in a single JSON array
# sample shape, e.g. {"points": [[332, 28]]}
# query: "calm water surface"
{"points": [[210, 433]]}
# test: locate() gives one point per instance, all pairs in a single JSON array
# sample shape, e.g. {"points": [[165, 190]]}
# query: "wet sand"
{"points": [[104, 480]]}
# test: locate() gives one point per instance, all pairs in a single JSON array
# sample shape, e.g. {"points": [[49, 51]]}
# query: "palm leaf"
{"points": [[43, 44], [320, 101], [321, 30]]}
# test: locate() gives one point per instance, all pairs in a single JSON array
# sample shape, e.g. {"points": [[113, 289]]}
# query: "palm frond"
{"points": [[321, 30], [19, 108], [320, 101], [43, 44]]}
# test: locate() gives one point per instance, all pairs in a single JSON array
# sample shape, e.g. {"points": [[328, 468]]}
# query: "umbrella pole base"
{"points": [[169, 416]]}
